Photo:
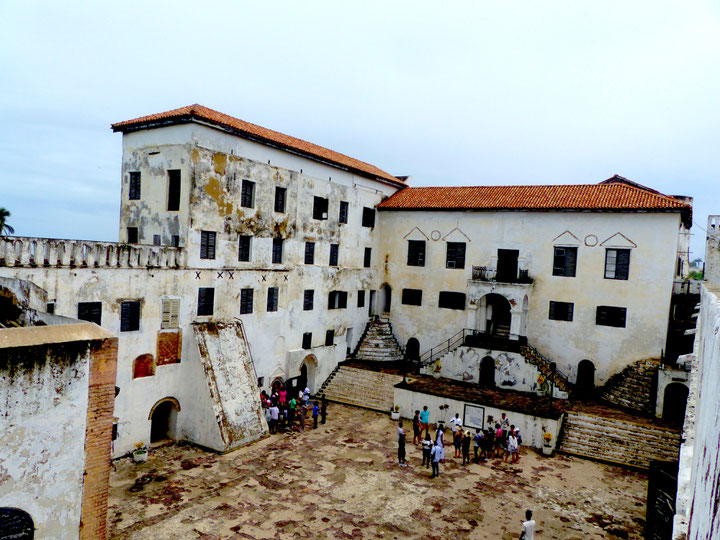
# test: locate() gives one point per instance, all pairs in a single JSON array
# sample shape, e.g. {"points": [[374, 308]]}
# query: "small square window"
{"points": [[308, 299], [416, 253], [277, 251], [247, 194], [561, 311], [309, 252], [565, 261], [246, 301], [334, 254], [329, 338], [412, 297], [272, 299], [368, 217], [206, 301], [307, 340], [337, 299], [280, 198], [90, 311], [320, 208], [207, 244], [129, 316], [617, 263], [134, 190], [451, 300], [175, 240], [50, 308], [244, 248], [455, 255], [156, 239], [611, 316]]}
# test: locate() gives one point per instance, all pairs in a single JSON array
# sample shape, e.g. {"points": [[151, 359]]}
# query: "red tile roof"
{"points": [[261, 134], [615, 196]]}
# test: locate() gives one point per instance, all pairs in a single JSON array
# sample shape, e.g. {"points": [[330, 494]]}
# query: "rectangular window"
{"points": [[173, 204], [129, 316], [175, 240], [277, 251], [565, 261], [361, 299], [451, 300], [455, 255], [244, 248], [309, 252], [611, 316], [334, 254], [50, 307], [280, 197], [320, 208], [247, 194], [246, 301], [368, 217], [272, 299], [308, 297], [156, 239], [207, 244], [368, 257], [617, 263], [329, 338], [132, 235], [134, 191], [343, 216], [90, 311], [170, 313], [561, 311], [416, 253], [206, 301], [307, 340], [337, 300], [412, 297]]}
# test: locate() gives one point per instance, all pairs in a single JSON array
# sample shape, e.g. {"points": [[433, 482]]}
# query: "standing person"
{"points": [[528, 527], [457, 441], [274, 415], [306, 395], [416, 428], [401, 445], [424, 419], [512, 447], [427, 446], [316, 411], [292, 406], [477, 444], [436, 455], [504, 425], [466, 448], [456, 424], [519, 441], [323, 409], [499, 440], [282, 396]]}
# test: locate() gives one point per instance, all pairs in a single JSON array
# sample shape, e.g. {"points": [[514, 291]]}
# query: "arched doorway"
{"points": [[674, 403], [307, 373], [163, 419], [497, 315], [412, 349], [585, 382], [487, 372], [386, 297], [16, 524]]}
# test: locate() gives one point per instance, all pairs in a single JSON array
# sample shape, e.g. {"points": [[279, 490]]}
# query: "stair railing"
{"points": [[531, 353], [452, 343]]}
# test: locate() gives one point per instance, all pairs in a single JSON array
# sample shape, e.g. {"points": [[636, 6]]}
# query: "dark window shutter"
{"points": [[280, 196], [308, 297], [134, 191], [206, 300], [309, 252], [622, 270], [173, 190]]}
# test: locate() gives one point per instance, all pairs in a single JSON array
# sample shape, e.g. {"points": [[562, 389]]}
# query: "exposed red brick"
{"points": [[169, 346]]}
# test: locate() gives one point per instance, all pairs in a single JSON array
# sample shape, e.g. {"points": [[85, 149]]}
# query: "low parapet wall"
{"points": [[38, 252]]}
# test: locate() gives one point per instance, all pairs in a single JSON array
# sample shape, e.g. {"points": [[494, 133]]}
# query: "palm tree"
{"points": [[4, 227]]}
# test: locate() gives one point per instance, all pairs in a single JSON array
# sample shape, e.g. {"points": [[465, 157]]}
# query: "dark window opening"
{"points": [[343, 216], [561, 311], [50, 307], [277, 251], [367, 258], [412, 297], [207, 244], [337, 300], [368, 217], [455, 255], [329, 338], [134, 191], [244, 248], [334, 254], [206, 300], [565, 261], [617, 263], [173, 190], [130, 316], [280, 197], [507, 265], [247, 194], [307, 340], [246, 301], [132, 235], [90, 311], [451, 300], [309, 252], [320, 208], [611, 316], [175, 240], [156, 239], [308, 298], [272, 299], [416, 253], [361, 299]]}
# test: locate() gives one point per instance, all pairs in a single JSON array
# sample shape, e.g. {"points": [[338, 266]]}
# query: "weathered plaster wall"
{"points": [[646, 294], [43, 404]]}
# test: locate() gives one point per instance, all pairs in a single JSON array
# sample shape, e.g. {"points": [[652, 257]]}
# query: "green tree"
{"points": [[4, 227]]}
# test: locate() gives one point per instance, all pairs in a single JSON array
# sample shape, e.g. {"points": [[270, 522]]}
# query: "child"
{"points": [[426, 449], [466, 448]]}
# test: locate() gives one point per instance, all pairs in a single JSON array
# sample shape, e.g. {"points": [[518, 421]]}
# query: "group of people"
{"points": [[285, 413], [499, 439]]}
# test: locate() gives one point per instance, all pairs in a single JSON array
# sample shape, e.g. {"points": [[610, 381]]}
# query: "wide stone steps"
{"points": [[618, 441], [363, 388], [378, 343], [632, 387]]}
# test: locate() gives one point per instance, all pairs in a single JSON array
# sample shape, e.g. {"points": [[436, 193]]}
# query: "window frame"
{"points": [[411, 297], [133, 235], [368, 217], [334, 258], [309, 253], [343, 212], [451, 300], [561, 311], [174, 190], [620, 270], [273, 297], [612, 316], [169, 313], [307, 341], [367, 258], [206, 301], [278, 245], [308, 299], [93, 312], [566, 270], [280, 199], [135, 186], [245, 252], [130, 315], [208, 245], [361, 298], [455, 255], [329, 338], [246, 301], [320, 208], [416, 256], [247, 194]]}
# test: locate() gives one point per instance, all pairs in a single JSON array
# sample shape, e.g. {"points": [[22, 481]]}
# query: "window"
{"points": [[309, 252], [132, 235], [307, 340], [308, 298], [247, 194], [280, 196], [617, 263], [329, 338], [129, 316], [416, 253], [320, 208], [206, 301], [277, 251], [334, 254], [565, 261], [134, 191], [261, 382], [412, 297], [170, 313], [244, 248], [246, 301], [90, 311], [337, 300], [50, 307], [173, 204], [451, 300], [175, 240], [361, 299], [368, 257], [455, 255], [156, 239], [561, 311], [343, 216], [611, 316], [207, 244], [368, 217], [272, 299]]}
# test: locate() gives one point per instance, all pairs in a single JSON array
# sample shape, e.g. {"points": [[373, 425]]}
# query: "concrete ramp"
{"points": [[230, 377]]}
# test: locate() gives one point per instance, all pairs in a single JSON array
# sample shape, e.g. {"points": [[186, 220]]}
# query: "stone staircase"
{"points": [[361, 387], [378, 343], [634, 387], [533, 357], [618, 441]]}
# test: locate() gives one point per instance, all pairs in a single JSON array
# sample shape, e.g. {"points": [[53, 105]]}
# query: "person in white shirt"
{"points": [[456, 423], [528, 527]]}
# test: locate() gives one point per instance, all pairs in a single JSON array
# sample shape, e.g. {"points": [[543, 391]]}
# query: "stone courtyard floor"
{"points": [[343, 481]]}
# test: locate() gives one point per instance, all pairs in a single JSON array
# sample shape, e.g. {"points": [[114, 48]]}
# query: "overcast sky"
{"points": [[452, 93]]}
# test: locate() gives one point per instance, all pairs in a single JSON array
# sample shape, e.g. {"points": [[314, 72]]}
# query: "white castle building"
{"points": [[247, 256]]}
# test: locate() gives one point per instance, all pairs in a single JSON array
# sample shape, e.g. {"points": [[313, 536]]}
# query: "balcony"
{"points": [[489, 274]]}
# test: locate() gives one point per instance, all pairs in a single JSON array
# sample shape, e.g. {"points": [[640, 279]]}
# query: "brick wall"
{"points": [[98, 438]]}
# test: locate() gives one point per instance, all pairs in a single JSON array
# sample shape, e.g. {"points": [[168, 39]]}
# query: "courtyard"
{"points": [[343, 481]]}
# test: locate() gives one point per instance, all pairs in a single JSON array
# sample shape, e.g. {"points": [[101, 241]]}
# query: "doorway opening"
{"points": [[163, 419], [585, 382], [487, 372], [497, 315], [675, 402], [386, 297]]}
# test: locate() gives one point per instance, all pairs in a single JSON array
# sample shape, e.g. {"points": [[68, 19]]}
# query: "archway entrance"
{"points": [[487, 372], [386, 297], [16, 524], [412, 349], [585, 382], [675, 402], [307, 373], [163, 418], [497, 315]]}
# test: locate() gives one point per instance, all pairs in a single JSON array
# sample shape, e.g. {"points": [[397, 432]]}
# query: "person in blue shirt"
{"points": [[316, 411]]}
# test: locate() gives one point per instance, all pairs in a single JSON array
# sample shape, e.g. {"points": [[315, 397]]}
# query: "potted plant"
{"points": [[140, 454], [547, 448], [395, 413]]}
